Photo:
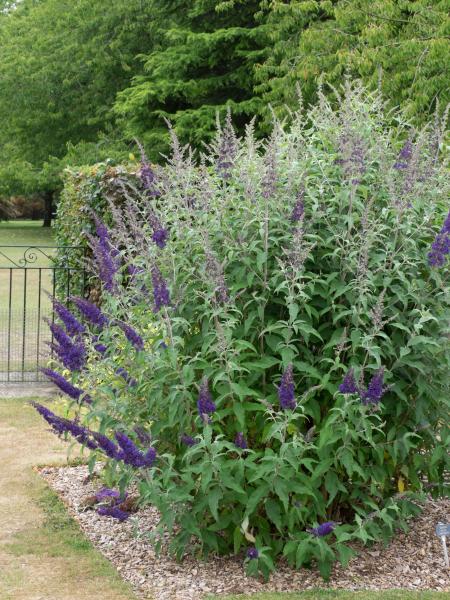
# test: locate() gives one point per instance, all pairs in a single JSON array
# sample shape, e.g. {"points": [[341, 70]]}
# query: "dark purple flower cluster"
{"points": [[71, 323], [159, 236], [160, 233], [187, 440], [252, 553], [132, 335], [441, 245], [91, 312], [107, 493], [404, 156], [131, 381], [60, 426], [125, 451], [240, 441], [323, 529], [113, 511], [299, 207], [65, 386], [130, 454], [105, 256], [286, 393], [375, 389], [71, 352], [205, 403], [161, 294], [348, 386]]}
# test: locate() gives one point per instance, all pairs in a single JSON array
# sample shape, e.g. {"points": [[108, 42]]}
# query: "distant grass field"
{"points": [[22, 333]]}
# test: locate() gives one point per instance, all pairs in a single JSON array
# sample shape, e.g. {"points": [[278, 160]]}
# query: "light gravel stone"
{"points": [[412, 561]]}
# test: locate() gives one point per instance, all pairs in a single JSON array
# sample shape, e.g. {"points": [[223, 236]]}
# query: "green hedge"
{"points": [[86, 190]]}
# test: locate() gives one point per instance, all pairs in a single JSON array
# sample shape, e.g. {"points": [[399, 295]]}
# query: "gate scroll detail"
{"points": [[29, 275]]}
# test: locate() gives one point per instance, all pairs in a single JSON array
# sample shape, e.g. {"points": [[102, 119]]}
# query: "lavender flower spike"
{"points": [[160, 292], [323, 529], [106, 257], [65, 386], [91, 312], [286, 393], [106, 445], [205, 403], [60, 426], [348, 386], [132, 336], [404, 156], [441, 245], [299, 208], [71, 323]]}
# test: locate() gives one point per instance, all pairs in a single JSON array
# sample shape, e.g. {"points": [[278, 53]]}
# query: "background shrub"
{"points": [[278, 335]]}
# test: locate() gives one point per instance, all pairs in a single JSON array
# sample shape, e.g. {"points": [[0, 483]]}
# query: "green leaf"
{"points": [[214, 495]]}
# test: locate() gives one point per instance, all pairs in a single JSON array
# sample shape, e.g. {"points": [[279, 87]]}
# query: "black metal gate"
{"points": [[29, 276]]}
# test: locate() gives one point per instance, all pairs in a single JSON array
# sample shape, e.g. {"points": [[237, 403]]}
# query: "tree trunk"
{"points": [[48, 209]]}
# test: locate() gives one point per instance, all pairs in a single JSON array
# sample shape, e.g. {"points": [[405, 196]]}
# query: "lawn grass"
{"points": [[43, 553], [344, 595]]}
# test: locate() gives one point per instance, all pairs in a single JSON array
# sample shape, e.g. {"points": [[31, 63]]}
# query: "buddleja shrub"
{"points": [[273, 350]]}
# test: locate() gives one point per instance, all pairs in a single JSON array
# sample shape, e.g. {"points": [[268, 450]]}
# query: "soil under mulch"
{"points": [[413, 560]]}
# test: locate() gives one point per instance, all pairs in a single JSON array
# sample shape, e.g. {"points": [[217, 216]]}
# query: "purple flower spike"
{"points": [[150, 457], [60, 426], [161, 294], [299, 208], [105, 257], [64, 385], [404, 156], [441, 245], [252, 553], [113, 511], [323, 529], [240, 441], [130, 453], [348, 386], [132, 336], [205, 403], [375, 390], [286, 392], [187, 440], [71, 323], [71, 353], [148, 178], [91, 312], [106, 445]]}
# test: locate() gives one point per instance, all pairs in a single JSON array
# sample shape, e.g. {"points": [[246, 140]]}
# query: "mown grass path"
{"points": [[43, 555]]}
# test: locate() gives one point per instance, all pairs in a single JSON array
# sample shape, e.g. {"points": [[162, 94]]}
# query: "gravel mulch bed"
{"points": [[413, 561]]}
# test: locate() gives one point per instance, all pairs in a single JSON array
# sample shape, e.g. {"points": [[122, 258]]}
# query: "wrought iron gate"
{"points": [[29, 275]]}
